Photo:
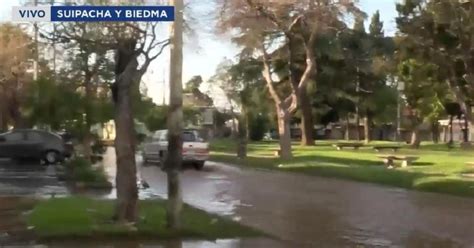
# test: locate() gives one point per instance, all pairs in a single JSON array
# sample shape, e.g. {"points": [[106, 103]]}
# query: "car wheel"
{"points": [[51, 157], [199, 165], [145, 161]]}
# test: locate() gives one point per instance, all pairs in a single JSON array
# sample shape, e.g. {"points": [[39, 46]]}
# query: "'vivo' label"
{"points": [[32, 14]]}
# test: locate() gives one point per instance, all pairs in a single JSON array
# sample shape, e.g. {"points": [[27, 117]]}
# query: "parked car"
{"points": [[195, 149], [30, 143]]}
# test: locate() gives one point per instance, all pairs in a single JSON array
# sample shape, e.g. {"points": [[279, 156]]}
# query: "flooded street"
{"points": [[306, 211], [297, 210], [29, 179]]}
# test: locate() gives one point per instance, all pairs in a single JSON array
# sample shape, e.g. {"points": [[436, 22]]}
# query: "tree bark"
{"points": [[3, 119], [126, 179], [348, 128], [87, 140], [451, 136], [242, 136], [465, 130], [415, 137], [367, 137], [284, 133], [435, 132], [357, 117], [175, 120], [303, 99], [307, 126]]}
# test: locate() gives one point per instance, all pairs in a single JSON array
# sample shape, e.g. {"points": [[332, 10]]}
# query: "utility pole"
{"points": [[54, 46], [357, 104], [36, 53], [175, 119], [164, 86]]}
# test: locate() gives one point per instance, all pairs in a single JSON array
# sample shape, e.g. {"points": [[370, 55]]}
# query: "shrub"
{"points": [[81, 170]]}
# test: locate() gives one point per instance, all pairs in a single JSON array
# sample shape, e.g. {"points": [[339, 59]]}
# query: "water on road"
{"points": [[29, 179], [308, 211]]}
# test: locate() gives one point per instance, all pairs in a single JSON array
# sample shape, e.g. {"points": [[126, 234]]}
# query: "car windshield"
{"points": [[189, 136]]}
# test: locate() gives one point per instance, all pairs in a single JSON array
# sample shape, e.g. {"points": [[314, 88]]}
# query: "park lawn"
{"points": [[86, 218], [437, 170]]}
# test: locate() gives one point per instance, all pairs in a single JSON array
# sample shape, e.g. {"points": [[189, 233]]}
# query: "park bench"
{"points": [[470, 165], [469, 173], [389, 159], [355, 146], [387, 147]]}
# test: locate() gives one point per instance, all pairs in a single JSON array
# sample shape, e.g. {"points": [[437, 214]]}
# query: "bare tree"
{"points": [[130, 43], [265, 25], [15, 55]]}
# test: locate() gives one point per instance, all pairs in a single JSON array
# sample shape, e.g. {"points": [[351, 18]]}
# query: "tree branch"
{"points": [[267, 74]]}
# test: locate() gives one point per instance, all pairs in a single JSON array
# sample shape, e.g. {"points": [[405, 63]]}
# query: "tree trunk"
{"points": [[3, 119], [348, 129], [242, 136], [357, 117], [415, 137], [175, 120], [126, 179], [435, 132], [87, 140], [234, 131], [367, 137], [304, 102], [284, 132], [451, 136], [465, 129], [307, 126]]}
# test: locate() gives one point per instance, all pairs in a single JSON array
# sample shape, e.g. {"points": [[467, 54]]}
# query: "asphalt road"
{"points": [[298, 210], [308, 211]]}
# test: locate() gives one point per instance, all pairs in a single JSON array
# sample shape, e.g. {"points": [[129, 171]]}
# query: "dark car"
{"points": [[37, 144]]}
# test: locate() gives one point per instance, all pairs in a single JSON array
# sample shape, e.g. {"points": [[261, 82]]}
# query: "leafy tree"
{"points": [[440, 32], [263, 25], [15, 63], [423, 97], [242, 84]]}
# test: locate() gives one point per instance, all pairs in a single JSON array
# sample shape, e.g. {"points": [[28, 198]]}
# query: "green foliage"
{"points": [[75, 217], [422, 92], [258, 126], [439, 32], [81, 170]]}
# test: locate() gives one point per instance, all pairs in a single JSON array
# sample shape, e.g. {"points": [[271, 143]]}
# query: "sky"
{"points": [[204, 50]]}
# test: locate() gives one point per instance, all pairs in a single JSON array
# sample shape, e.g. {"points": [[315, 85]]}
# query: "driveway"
{"points": [[308, 211]]}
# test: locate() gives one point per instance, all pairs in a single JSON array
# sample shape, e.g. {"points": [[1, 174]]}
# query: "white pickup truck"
{"points": [[195, 149]]}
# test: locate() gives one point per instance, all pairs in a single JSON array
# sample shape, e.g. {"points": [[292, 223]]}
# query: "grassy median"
{"points": [[80, 217], [439, 169]]}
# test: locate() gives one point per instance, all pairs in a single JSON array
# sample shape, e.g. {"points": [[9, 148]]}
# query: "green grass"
{"points": [[79, 217], [438, 169]]}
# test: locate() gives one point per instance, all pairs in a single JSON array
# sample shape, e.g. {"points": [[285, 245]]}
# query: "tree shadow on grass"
{"points": [[421, 164], [336, 160]]}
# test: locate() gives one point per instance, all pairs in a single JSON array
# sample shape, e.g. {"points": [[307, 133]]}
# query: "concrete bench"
{"points": [[381, 148], [355, 146], [470, 165], [389, 160]]}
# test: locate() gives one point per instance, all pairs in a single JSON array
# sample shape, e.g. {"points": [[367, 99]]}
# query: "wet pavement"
{"points": [[29, 178], [308, 211], [298, 210]]}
